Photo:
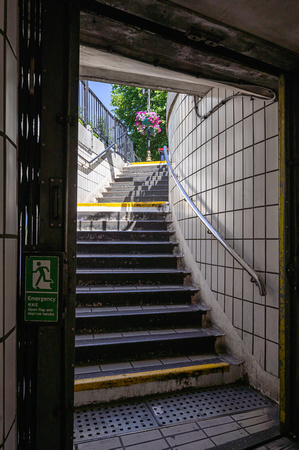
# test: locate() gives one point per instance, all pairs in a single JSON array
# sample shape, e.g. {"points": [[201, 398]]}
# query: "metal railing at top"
{"points": [[108, 128], [251, 272]]}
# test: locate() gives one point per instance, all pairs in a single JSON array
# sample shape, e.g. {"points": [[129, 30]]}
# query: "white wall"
{"points": [[8, 221], [92, 178], [229, 165]]}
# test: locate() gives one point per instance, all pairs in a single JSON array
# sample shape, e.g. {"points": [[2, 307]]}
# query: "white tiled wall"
{"points": [[8, 220], [229, 164], [92, 178]]}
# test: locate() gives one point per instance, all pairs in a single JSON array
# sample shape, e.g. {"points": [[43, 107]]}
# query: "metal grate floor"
{"points": [[207, 403], [129, 417]]}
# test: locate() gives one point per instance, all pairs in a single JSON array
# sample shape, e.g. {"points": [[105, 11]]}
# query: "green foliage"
{"points": [[127, 100]]}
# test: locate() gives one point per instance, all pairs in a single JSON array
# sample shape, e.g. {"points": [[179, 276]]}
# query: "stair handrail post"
{"points": [[86, 101], [251, 272]]}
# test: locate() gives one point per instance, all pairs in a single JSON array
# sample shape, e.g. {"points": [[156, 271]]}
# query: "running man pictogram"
{"points": [[40, 280]]}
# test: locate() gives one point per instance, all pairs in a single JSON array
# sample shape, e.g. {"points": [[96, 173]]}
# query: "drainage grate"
{"points": [[110, 421], [170, 409]]}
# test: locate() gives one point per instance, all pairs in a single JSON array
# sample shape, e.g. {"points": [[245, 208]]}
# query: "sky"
{"points": [[103, 92]]}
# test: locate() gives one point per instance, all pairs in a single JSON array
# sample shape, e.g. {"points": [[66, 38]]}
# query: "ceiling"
{"points": [[247, 44]]}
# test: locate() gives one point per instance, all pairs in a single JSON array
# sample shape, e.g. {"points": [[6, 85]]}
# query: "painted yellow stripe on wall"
{"points": [[125, 204], [148, 162], [147, 377]]}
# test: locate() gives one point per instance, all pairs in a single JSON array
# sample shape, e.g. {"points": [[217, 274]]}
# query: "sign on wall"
{"points": [[42, 281]]}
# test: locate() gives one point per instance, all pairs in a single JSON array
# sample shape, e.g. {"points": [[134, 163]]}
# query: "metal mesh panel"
{"points": [[110, 421], [207, 403], [90, 424]]}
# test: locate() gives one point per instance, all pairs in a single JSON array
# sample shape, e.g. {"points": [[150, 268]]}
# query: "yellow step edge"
{"points": [[125, 204], [128, 379], [147, 162]]}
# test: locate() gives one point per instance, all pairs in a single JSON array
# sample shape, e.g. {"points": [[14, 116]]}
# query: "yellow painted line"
{"points": [[148, 162], [128, 379], [125, 204]]}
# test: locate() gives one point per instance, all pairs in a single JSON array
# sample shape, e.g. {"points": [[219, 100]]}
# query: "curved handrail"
{"points": [[254, 276]]}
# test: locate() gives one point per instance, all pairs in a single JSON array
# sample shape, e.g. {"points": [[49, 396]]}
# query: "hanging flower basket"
{"points": [[147, 120]]}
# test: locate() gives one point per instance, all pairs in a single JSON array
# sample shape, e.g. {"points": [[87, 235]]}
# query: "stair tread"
{"points": [[128, 242], [138, 310], [152, 336], [187, 361], [134, 288], [128, 231], [128, 255], [130, 270]]}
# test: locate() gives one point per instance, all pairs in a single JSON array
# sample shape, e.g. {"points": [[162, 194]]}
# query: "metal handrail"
{"points": [[105, 150], [254, 276], [105, 125]]}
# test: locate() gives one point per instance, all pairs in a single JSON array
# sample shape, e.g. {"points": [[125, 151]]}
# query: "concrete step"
{"points": [[149, 261], [106, 320], [127, 277], [129, 247], [140, 295], [102, 383], [123, 225], [111, 347], [128, 235]]}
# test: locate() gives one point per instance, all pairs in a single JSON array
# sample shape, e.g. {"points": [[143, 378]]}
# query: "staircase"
{"points": [[140, 328]]}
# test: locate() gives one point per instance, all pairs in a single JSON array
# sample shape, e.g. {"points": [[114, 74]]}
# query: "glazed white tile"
{"points": [[272, 285], [272, 262], [248, 316], [248, 341], [259, 255], [272, 187], [272, 120], [238, 195], [259, 350], [272, 324], [238, 109], [238, 166], [238, 131], [238, 313], [248, 193], [272, 154], [247, 107], [259, 320], [11, 189], [10, 247], [272, 358], [248, 224], [259, 190], [229, 141], [259, 126], [248, 131], [11, 94], [259, 158], [228, 306], [259, 223], [248, 162], [12, 23], [272, 224]]}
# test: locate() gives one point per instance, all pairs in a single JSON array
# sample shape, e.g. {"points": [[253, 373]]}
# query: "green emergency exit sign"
{"points": [[41, 288]]}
